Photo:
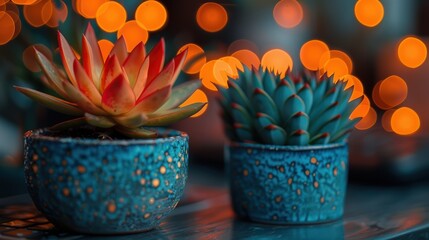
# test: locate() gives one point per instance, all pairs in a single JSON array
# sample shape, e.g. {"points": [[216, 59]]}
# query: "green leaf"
{"points": [[99, 121], [306, 94], [269, 83], [298, 121], [299, 138], [180, 94], [273, 134], [240, 115], [262, 102], [131, 121], [68, 124], [136, 132], [320, 139], [282, 93], [292, 106], [173, 115], [51, 102]]}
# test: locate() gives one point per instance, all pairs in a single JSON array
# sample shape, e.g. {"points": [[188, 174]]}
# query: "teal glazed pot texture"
{"points": [[106, 186], [288, 184]]}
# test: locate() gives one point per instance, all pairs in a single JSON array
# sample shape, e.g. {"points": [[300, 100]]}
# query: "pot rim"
{"points": [[285, 147], [171, 136]]}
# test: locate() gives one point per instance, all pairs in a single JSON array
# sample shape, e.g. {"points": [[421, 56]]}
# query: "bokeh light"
{"points": [[195, 59], [133, 33], [152, 15], [362, 109], [38, 14], [376, 97], [386, 120], [412, 52], [17, 22], [215, 71], [29, 56], [311, 53], [247, 57], [212, 17], [88, 9], [368, 121], [197, 97], [59, 15], [393, 90], [358, 89], [405, 121], [8, 28], [288, 13], [369, 12], [111, 16], [336, 67], [105, 47], [235, 65], [277, 61], [23, 2]]}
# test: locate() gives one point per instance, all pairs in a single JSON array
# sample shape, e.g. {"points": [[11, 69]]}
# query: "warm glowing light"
{"points": [[7, 28], [39, 13], [393, 90], [197, 97], [311, 53], [133, 33], [358, 89], [288, 13], [88, 9], [212, 17], [362, 109], [105, 47], [59, 15], [247, 57], [336, 67], [24, 2], [278, 61], [111, 16], [152, 15], [3, 2], [343, 56], [412, 52], [369, 12], [195, 59], [405, 121], [29, 56], [17, 22], [386, 119], [215, 71], [235, 65], [376, 97], [241, 44], [368, 121]]}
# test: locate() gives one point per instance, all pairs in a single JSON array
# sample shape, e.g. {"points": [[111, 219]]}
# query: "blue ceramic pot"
{"points": [[288, 184], [106, 186]]}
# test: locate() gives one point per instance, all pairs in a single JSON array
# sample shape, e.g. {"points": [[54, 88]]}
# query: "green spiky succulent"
{"points": [[262, 107]]}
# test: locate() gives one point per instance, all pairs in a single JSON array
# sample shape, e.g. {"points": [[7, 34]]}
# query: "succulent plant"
{"points": [[127, 92], [262, 107]]}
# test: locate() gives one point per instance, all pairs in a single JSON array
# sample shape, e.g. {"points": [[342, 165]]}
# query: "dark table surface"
{"points": [[205, 213]]}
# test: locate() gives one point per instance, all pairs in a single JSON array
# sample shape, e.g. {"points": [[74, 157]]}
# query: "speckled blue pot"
{"points": [[288, 184], [106, 187]]}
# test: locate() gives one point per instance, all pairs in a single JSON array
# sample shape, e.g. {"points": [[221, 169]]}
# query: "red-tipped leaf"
{"points": [[134, 62], [156, 58], [118, 97], [120, 50], [163, 79], [112, 69], [68, 57], [86, 86], [92, 66]]}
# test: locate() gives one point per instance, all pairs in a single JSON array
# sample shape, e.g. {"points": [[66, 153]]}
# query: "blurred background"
{"points": [[379, 47]]}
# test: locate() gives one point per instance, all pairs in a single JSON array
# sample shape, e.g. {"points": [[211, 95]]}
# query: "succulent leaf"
{"points": [[99, 121], [91, 63], [51, 102], [112, 69], [173, 115], [68, 124], [134, 62], [119, 50], [51, 73], [137, 132], [68, 57], [262, 102], [156, 58], [118, 97], [86, 85], [180, 94]]}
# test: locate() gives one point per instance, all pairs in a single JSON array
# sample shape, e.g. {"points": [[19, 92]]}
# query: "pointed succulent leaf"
{"points": [[282, 93], [324, 117], [96, 52], [134, 62], [306, 94], [137, 132], [153, 101], [320, 90], [298, 121], [99, 121], [119, 50], [141, 80], [180, 94], [118, 97], [329, 98], [274, 134], [67, 57], [91, 64], [238, 96], [51, 102], [112, 69], [51, 73], [86, 86], [156, 59], [292, 106], [262, 102], [173, 115], [269, 83], [320, 139], [68, 124], [299, 137], [243, 132], [330, 126], [179, 60], [240, 115], [163, 79], [81, 100], [262, 120], [131, 121]]}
